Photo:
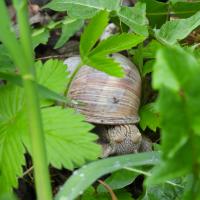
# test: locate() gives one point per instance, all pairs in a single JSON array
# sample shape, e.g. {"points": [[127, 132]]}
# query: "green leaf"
{"points": [[92, 33], [11, 148], [40, 36], [83, 8], [178, 29], [52, 74], [43, 91], [106, 64], [164, 191], [118, 180], [149, 117], [159, 72], [117, 43], [151, 49], [148, 67], [69, 28], [6, 63], [179, 113], [135, 18], [186, 9], [8, 37], [156, 12], [8, 196], [91, 194], [84, 177], [66, 131]]}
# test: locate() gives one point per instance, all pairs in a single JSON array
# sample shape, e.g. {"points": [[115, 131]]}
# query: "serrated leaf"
{"points": [[85, 176], [135, 18], [43, 91], [64, 129], [83, 8], [92, 33], [106, 64], [149, 117], [68, 141], [117, 43], [40, 36], [178, 29], [11, 148], [69, 28], [52, 74]]}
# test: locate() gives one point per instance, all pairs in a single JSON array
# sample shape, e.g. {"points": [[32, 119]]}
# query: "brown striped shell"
{"points": [[106, 99]]}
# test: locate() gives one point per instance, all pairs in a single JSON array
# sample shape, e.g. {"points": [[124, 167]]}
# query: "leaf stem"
{"points": [[72, 77], [149, 174], [42, 180]]}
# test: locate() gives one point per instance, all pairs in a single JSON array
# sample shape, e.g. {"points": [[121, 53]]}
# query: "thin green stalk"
{"points": [[71, 79], [42, 180], [149, 174], [72, 76]]}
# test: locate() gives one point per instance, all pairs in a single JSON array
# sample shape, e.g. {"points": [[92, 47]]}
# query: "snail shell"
{"points": [[105, 99]]}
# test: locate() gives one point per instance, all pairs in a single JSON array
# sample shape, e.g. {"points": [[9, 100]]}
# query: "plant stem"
{"points": [[42, 180], [71, 79], [72, 76]]}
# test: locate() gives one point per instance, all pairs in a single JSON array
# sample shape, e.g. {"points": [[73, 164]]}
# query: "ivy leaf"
{"points": [[117, 43], [106, 64], [135, 18], [83, 8], [69, 28], [92, 33], [178, 29], [149, 117], [11, 148]]}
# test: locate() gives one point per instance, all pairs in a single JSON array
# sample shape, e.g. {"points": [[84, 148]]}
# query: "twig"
{"points": [[27, 171], [109, 189]]}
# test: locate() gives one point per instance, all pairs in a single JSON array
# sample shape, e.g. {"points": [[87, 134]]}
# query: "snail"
{"points": [[111, 104]]}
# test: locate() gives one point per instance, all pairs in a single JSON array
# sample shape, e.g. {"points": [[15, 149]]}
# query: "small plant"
{"points": [[36, 118]]}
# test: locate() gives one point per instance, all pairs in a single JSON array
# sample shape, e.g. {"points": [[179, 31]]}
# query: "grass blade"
{"points": [[85, 176]]}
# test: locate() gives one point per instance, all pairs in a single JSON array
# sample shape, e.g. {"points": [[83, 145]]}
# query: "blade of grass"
{"points": [[23, 57], [85, 176]]}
